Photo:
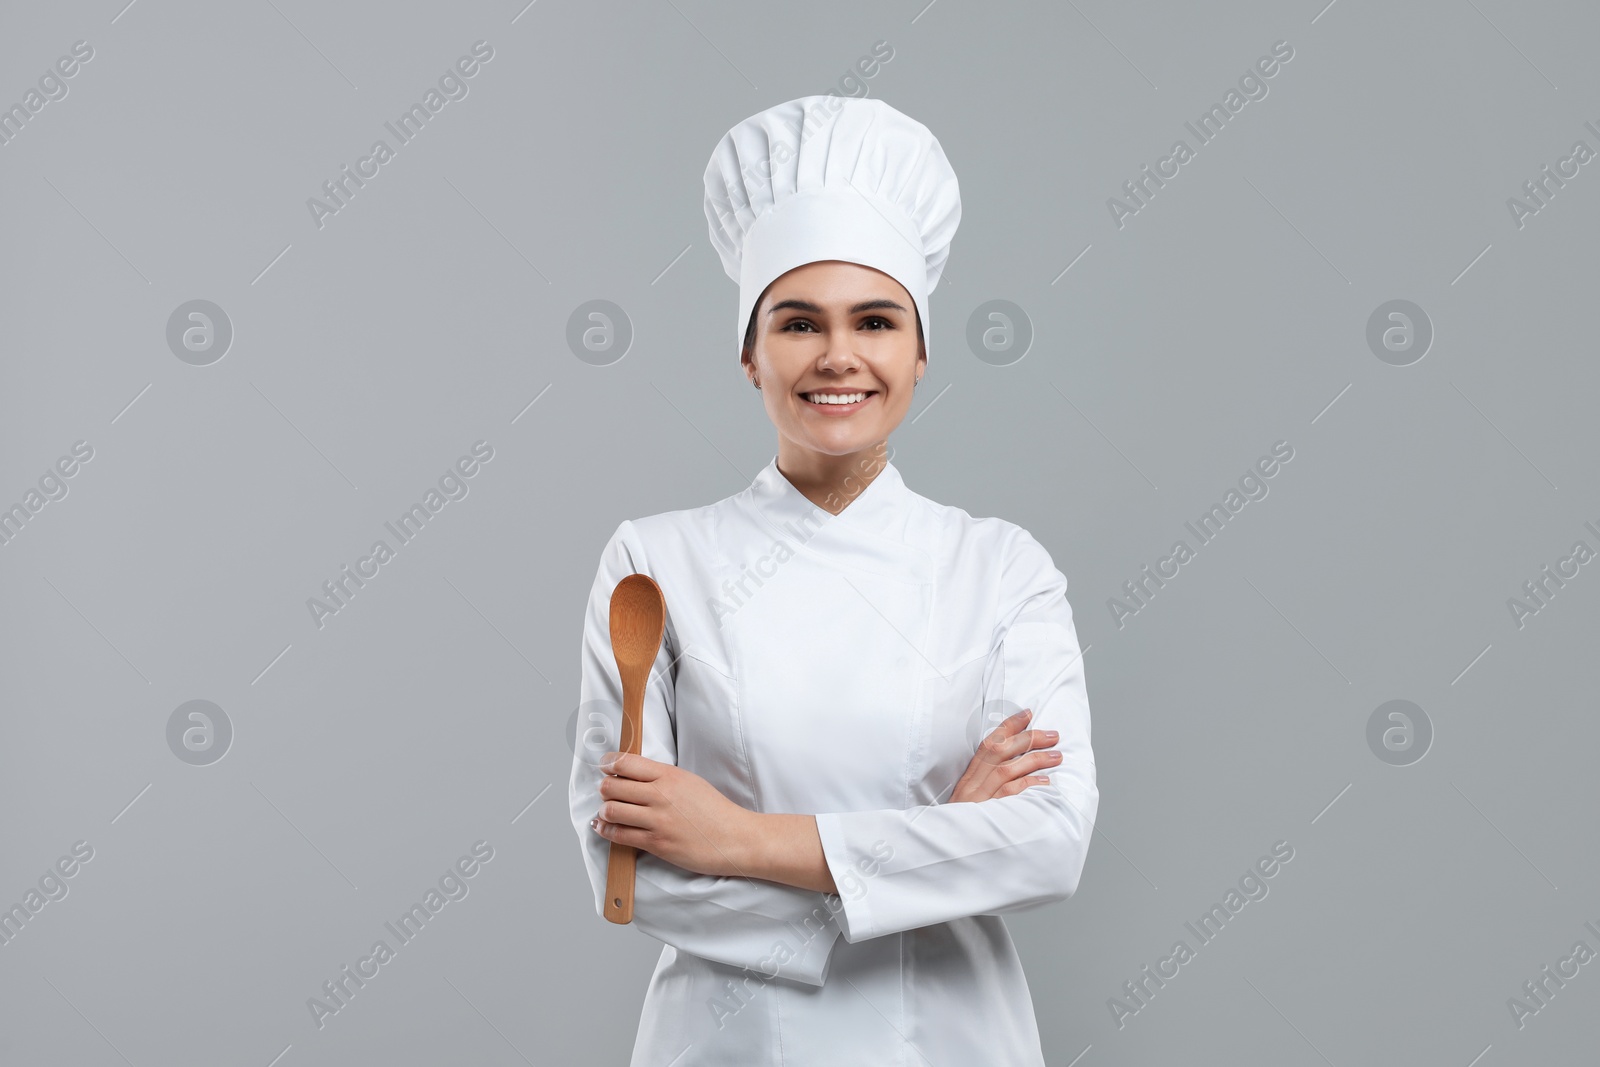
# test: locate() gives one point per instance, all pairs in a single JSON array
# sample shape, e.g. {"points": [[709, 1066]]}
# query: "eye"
{"points": [[790, 326], [878, 318]]}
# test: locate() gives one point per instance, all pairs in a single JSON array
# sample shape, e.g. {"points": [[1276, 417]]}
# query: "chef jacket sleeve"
{"points": [[1006, 853], [766, 926]]}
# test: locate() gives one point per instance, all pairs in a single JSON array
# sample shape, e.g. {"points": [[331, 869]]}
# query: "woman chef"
{"points": [[831, 822]]}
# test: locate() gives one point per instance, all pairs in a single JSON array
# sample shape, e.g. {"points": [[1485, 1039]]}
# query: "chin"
{"points": [[840, 444]]}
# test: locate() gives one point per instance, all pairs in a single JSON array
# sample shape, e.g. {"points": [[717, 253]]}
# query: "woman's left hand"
{"points": [[671, 813]]}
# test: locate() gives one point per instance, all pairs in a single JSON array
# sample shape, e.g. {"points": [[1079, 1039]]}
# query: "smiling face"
{"points": [[837, 330]]}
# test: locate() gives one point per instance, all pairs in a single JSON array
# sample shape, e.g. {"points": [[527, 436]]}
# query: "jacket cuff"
{"points": [[855, 914]]}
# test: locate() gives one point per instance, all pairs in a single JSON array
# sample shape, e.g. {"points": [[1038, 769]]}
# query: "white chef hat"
{"points": [[831, 177]]}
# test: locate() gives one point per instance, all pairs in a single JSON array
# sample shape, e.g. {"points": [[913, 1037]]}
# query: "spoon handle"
{"points": [[624, 859], [620, 869]]}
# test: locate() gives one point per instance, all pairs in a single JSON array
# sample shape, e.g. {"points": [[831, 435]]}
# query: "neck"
{"points": [[831, 482]]}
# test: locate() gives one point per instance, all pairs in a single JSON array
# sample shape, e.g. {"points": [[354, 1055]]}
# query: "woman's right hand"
{"points": [[1006, 759]]}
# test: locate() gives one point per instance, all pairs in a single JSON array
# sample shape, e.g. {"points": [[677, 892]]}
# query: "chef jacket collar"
{"points": [[874, 532], [873, 509]]}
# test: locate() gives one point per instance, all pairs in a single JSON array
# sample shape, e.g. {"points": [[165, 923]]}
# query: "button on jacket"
{"points": [[845, 667]]}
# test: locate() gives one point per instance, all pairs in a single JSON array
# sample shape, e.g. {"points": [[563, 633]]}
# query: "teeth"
{"points": [[831, 398]]}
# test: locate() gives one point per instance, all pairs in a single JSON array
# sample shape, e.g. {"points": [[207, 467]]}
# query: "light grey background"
{"points": [[369, 354]]}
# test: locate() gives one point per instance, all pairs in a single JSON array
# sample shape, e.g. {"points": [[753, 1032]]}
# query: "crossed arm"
{"points": [[680, 817]]}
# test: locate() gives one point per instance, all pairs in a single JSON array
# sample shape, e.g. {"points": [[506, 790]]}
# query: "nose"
{"points": [[840, 355]]}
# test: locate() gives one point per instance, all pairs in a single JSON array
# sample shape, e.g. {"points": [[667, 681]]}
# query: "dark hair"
{"points": [[750, 329]]}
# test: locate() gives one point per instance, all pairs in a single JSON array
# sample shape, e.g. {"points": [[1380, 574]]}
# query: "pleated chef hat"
{"points": [[831, 177]]}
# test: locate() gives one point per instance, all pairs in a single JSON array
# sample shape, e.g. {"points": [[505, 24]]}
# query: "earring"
{"points": [[755, 383]]}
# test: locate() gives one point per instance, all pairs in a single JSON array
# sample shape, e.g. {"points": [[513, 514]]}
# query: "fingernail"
{"points": [[1051, 734]]}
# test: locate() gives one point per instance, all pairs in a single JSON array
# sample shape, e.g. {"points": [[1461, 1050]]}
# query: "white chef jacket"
{"points": [[845, 667]]}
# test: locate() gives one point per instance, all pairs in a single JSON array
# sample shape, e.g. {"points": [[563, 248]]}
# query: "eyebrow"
{"points": [[865, 305]]}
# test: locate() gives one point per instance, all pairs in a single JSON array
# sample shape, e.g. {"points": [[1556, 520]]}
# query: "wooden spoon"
{"points": [[638, 619]]}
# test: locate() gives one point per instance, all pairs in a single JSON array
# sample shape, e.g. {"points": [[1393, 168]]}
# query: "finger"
{"points": [[623, 835], [1017, 744], [1008, 728], [1014, 723], [632, 765], [616, 787], [1011, 789], [1035, 760], [991, 753], [1042, 738], [1023, 765], [1031, 739], [1011, 724], [624, 814]]}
